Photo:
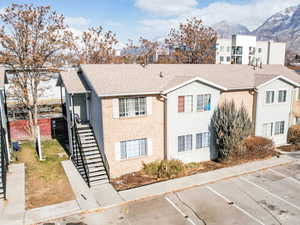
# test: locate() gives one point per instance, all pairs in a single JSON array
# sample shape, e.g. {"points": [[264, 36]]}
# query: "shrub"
{"points": [[230, 126], [164, 169], [293, 136], [257, 144]]}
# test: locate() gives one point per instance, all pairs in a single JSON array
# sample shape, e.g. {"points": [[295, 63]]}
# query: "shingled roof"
{"points": [[129, 79]]}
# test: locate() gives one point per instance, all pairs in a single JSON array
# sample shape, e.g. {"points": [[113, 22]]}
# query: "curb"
{"points": [[101, 209]]}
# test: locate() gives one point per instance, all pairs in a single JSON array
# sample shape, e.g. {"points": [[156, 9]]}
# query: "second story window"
{"points": [[130, 107], [282, 96], [185, 103], [203, 102], [269, 97]]}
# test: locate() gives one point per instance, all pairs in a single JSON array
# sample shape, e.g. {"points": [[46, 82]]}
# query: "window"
{"points": [[298, 97], [267, 129], [129, 107], [228, 58], [185, 103], [298, 120], [279, 127], [185, 143], [221, 48], [269, 97], [228, 49], [202, 140], [203, 102], [259, 50], [221, 58], [282, 96], [133, 148]]}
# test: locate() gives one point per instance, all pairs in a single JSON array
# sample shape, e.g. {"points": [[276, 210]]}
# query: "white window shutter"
{"points": [[149, 105], [118, 151], [149, 146], [115, 108]]}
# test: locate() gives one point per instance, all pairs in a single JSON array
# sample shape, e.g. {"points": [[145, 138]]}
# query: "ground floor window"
{"points": [[185, 143], [133, 148], [279, 127], [267, 129], [202, 140]]}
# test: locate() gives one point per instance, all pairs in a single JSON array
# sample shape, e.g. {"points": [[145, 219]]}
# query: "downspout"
{"points": [[291, 114], [254, 108], [72, 123], [165, 126]]}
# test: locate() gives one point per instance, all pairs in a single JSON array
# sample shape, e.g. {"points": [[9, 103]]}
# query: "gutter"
{"points": [[165, 125]]}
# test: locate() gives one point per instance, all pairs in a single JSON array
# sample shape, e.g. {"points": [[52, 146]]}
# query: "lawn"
{"points": [[46, 182]]}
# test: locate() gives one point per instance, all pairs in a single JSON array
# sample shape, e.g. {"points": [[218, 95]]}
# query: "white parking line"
{"points": [[236, 206], [270, 193], [285, 176], [180, 211]]}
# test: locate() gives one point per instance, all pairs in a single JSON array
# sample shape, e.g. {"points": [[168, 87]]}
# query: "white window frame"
{"points": [[201, 105], [136, 153], [185, 146], [265, 132], [279, 127], [139, 110], [280, 96], [266, 97], [202, 140]]}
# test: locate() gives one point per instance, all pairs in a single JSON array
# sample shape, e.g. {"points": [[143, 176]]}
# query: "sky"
{"points": [[152, 19]]}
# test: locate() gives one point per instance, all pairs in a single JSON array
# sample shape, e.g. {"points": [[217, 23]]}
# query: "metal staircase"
{"points": [[87, 157], [3, 164]]}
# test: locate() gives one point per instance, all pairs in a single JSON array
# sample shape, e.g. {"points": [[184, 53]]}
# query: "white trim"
{"points": [[149, 146], [117, 151], [192, 80], [115, 108], [129, 94], [276, 78], [149, 105]]}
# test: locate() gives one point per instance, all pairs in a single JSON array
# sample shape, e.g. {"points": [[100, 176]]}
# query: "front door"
{"points": [[80, 106]]}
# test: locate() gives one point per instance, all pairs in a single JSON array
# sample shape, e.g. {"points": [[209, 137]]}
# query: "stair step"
{"points": [[94, 160], [89, 145], [90, 149], [89, 153], [80, 131], [99, 177], [96, 183]]}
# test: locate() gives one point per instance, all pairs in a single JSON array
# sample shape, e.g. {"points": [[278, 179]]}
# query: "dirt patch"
{"points": [[290, 148], [138, 179], [45, 181]]}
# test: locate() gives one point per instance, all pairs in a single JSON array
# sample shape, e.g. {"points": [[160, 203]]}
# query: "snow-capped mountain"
{"points": [[226, 29], [283, 26]]}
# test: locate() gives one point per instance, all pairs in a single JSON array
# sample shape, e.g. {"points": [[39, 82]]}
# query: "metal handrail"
{"points": [[82, 156], [4, 161], [106, 165]]}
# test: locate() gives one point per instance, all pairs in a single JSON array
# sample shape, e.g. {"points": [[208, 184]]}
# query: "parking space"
{"points": [[268, 197]]}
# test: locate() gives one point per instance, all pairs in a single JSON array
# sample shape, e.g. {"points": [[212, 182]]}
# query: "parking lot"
{"points": [[266, 197]]}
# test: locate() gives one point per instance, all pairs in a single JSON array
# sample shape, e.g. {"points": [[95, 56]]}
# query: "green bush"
{"points": [[230, 127], [164, 169], [293, 136]]}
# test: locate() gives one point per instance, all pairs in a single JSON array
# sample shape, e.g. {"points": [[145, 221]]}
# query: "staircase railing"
{"points": [[79, 154], [103, 155], [4, 161]]}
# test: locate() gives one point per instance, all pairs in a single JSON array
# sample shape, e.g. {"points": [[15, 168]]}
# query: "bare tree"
{"points": [[95, 46], [33, 41], [193, 42], [142, 53]]}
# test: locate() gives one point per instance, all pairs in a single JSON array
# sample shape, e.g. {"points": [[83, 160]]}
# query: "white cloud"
{"points": [[166, 7], [252, 15], [114, 23], [77, 21]]}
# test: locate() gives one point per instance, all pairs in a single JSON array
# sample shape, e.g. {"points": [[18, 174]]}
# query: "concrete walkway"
{"points": [[90, 198], [12, 211], [201, 179]]}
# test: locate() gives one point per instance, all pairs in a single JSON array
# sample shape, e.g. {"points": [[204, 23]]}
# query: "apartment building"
{"points": [[121, 116], [245, 49]]}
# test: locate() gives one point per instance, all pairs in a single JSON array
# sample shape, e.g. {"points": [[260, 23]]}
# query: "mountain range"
{"points": [[283, 26]]}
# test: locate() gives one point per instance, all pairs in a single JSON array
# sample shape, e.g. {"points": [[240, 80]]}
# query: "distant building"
{"points": [[245, 49]]}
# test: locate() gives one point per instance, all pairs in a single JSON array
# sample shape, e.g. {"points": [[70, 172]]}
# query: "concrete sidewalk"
{"points": [[90, 198], [201, 179], [12, 210]]}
